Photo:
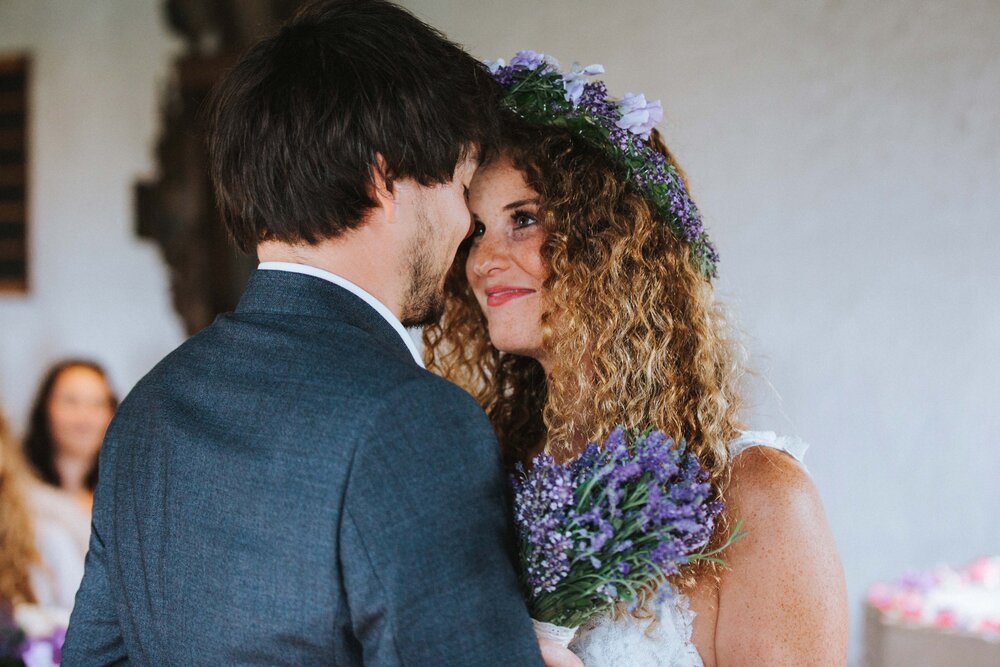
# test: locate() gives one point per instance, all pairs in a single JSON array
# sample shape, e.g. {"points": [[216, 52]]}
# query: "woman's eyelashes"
{"points": [[478, 228], [523, 219], [519, 220]]}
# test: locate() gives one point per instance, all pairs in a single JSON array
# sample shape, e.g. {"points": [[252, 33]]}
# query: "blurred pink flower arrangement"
{"points": [[961, 600]]}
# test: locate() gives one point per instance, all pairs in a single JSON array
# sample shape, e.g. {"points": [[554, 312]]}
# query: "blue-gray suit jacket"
{"points": [[289, 487]]}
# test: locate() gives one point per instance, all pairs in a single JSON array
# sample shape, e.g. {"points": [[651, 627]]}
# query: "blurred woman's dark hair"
{"points": [[298, 125], [39, 446]]}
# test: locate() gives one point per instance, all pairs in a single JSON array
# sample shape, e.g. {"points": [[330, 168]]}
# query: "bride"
{"points": [[583, 299]]}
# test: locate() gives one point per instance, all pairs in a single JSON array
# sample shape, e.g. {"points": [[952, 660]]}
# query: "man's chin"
{"points": [[429, 314], [417, 323]]}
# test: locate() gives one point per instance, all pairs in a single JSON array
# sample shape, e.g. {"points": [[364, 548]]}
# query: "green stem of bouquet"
{"points": [[578, 600]]}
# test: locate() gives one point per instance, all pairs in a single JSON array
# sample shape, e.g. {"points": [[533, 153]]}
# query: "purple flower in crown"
{"points": [[574, 80], [539, 92], [532, 60], [495, 66], [639, 116], [594, 101]]}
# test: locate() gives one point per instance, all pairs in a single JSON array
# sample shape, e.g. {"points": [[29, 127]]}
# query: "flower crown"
{"points": [[537, 91]]}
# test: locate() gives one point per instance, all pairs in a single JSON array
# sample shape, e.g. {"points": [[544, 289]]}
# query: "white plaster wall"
{"points": [[846, 155], [96, 289]]}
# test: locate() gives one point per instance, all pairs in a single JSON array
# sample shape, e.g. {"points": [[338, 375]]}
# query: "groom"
{"points": [[290, 486]]}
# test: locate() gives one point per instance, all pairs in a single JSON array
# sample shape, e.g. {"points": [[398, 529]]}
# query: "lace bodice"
{"points": [[606, 641]]}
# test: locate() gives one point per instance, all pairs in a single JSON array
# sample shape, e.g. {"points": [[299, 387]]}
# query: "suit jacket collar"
{"points": [[296, 294]]}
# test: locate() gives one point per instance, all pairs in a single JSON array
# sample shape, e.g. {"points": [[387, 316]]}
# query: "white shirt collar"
{"points": [[353, 289]]}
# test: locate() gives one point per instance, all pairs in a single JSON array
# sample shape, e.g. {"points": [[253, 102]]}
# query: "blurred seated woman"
{"points": [[41, 546], [72, 411]]}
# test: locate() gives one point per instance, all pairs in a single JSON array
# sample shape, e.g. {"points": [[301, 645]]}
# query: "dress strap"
{"points": [[794, 447]]}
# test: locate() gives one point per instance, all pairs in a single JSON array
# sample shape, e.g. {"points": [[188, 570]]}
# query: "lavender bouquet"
{"points": [[614, 521]]}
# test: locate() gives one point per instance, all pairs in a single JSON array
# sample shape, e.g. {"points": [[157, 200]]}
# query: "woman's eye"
{"points": [[523, 219], [478, 229]]}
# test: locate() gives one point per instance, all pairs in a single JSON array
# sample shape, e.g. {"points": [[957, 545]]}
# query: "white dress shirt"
{"points": [[353, 289]]}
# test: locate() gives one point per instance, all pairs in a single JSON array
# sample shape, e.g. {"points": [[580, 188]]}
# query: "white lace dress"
{"points": [[616, 642]]}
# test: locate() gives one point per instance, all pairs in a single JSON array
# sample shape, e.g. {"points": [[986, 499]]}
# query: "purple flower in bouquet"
{"points": [[44, 651], [610, 523], [548, 500], [32, 636]]}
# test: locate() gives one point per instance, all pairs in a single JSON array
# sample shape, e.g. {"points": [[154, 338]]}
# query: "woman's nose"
{"points": [[488, 256]]}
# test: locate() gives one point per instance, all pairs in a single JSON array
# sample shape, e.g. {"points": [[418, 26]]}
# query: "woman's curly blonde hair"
{"points": [[17, 542], [631, 330]]}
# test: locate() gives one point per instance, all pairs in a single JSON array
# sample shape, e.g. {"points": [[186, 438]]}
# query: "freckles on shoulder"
{"points": [[782, 514], [766, 480], [783, 594]]}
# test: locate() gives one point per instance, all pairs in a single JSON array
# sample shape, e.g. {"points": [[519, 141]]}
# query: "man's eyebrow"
{"points": [[519, 203]]}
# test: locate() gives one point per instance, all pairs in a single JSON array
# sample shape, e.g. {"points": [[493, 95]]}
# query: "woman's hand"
{"points": [[554, 655]]}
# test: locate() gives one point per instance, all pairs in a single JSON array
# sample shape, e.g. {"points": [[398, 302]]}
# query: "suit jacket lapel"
{"points": [[295, 294]]}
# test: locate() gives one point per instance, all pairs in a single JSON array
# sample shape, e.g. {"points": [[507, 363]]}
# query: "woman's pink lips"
{"points": [[498, 297]]}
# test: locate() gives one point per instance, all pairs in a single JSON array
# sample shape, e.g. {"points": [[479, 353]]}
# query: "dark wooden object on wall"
{"points": [[14, 174], [207, 273]]}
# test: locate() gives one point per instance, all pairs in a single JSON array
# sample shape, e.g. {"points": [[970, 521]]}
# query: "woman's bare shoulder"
{"points": [[782, 599], [765, 478]]}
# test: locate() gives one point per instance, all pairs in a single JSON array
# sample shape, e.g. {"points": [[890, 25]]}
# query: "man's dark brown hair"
{"points": [[297, 124]]}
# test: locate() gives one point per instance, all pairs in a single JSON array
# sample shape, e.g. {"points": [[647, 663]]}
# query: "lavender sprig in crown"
{"points": [[613, 521], [539, 92]]}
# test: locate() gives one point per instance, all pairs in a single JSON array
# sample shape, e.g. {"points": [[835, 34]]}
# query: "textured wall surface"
{"points": [[96, 290], [846, 155]]}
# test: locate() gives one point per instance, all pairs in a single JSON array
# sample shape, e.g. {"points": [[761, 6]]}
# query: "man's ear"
{"points": [[385, 198]]}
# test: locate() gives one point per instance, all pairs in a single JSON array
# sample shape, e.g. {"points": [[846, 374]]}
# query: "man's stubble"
{"points": [[424, 301]]}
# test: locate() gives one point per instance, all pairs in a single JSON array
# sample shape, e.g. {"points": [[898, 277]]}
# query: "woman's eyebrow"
{"points": [[519, 203]]}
